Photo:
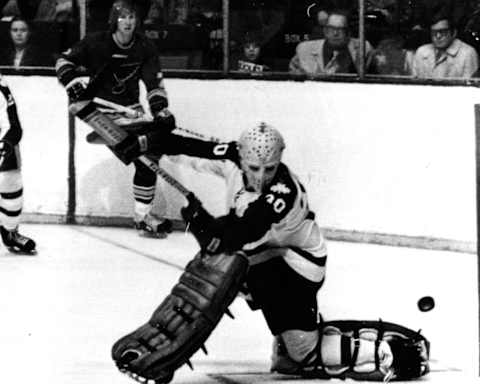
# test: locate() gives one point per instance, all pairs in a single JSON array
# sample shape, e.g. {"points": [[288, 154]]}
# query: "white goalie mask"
{"points": [[260, 149]]}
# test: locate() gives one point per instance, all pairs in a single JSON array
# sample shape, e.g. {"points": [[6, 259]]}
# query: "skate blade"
{"points": [[153, 235], [20, 252]]}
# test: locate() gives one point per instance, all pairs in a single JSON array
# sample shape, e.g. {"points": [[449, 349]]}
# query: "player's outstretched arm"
{"points": [[163, 142]]}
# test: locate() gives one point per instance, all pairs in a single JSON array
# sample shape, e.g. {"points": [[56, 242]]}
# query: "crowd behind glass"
{"points": [[426, 39]]}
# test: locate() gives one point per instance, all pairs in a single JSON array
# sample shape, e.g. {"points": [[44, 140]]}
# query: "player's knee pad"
{"points": [[299, 344], [293, 349]]}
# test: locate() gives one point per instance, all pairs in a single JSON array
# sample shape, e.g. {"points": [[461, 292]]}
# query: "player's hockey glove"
{"points": [[161, 115], [165, 120], [76, 89], [130, 148], [203, 226]]}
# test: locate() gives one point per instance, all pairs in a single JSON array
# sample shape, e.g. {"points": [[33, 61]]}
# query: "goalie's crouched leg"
{"points": [[362, 350], [184, 320]]}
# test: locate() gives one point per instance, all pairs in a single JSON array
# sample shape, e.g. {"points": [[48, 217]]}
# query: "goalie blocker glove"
{"points": [[203, 226]]}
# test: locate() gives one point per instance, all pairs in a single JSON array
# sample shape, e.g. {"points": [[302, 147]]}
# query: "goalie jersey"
{"points": [[277, 222]]}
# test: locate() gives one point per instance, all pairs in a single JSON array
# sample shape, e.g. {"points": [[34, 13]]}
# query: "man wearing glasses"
{"points": [[336, 53], [446, 56]]}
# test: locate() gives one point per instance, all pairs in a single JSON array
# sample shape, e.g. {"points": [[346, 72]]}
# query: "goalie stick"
{"points": [[113, 135]]}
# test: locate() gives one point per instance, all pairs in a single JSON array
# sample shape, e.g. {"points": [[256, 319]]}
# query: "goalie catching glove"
{"points": [[184, 320]]}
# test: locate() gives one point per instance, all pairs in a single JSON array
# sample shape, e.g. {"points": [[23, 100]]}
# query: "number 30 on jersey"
{"points": [[277, 203]]}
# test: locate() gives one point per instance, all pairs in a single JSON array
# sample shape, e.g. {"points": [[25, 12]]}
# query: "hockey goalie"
{"points": [[269, 247]]}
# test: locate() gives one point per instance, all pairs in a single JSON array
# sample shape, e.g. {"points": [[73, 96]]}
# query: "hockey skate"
{"points": [[17, 243], [153, 227]]}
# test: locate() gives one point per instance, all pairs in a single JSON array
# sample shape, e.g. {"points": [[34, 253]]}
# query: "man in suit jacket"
{"points": [[336, 53]]}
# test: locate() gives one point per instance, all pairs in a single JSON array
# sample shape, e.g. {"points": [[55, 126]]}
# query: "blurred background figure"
{"points": [[21, 52], [390, 57], [39, 10], [156, 13], [319, 17], [264, 18], [98, 11]]}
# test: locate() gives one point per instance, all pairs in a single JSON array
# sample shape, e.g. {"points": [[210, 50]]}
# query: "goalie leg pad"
{"points": [[371, 350], [184, 320]]}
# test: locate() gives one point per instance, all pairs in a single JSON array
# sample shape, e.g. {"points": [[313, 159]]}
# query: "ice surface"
{"points": [[60, 311]]}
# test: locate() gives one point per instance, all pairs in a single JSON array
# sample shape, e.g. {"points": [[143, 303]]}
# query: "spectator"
{"points": [[392, 58], [337, 53], [251, 59], [20, 52], [264, 18], [446, 56], [422, 12]]}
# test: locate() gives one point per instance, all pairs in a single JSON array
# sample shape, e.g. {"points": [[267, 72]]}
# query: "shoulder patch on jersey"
{"points": [[280, 188]]}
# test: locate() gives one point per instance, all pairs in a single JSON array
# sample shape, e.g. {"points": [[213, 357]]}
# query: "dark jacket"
{"points": [[32, 57]]}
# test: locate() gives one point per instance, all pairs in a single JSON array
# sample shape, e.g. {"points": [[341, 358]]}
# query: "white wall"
{"points": [[385, 158], [42, 109]]}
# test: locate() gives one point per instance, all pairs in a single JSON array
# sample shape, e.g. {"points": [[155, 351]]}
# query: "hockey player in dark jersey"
{"points": [[11, 186], [116, 60], [270, 220]]}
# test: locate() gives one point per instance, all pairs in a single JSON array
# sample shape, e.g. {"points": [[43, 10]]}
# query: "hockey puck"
{"points": [[426, 303]]}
